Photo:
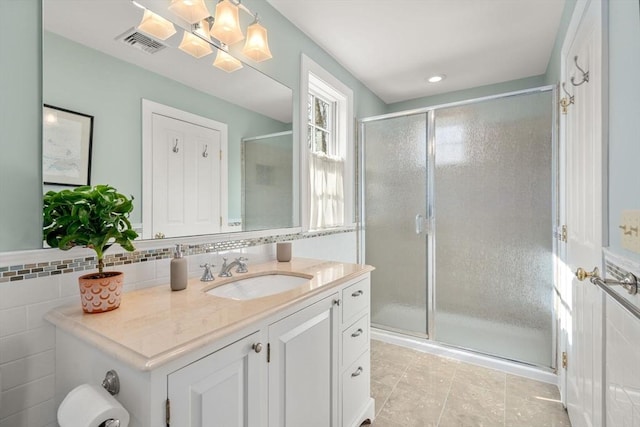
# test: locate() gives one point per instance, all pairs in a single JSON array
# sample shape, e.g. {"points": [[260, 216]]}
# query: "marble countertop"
{"points": [[154, 326]]}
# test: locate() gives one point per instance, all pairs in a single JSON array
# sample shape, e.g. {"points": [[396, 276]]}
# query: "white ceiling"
{"points": [[392, 46]]}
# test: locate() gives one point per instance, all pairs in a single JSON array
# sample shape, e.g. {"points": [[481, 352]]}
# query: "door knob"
{"points": [[582, 274], [257, 347]]}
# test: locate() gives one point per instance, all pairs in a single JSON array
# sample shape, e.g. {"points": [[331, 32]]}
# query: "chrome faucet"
{"points": [[207, 275], [241, 263]]}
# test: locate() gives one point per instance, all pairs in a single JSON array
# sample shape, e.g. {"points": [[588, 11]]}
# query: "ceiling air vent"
{"points": [[135, 38]]}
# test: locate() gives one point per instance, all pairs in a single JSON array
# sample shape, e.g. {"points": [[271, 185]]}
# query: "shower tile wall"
{"points": [[622, 335]]}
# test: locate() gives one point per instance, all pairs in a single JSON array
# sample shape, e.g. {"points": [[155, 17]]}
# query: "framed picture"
{"points": [[66, 146]]}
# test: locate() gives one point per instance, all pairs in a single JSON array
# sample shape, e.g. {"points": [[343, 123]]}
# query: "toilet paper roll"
{"points": [[90, 406]]}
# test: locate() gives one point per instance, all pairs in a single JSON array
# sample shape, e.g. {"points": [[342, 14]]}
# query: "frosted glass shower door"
{"points": [[492, 198], [395, 161]]}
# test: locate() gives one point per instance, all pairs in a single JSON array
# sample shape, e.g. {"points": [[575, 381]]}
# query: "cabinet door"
{"points": [[224, 389], [303, 371]]}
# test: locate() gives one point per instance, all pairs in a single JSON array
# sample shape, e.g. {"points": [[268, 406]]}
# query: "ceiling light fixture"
{"points": [[225, 29], [156, 26], [226, 62], [197, 43], [257, 45], [226, 24], [51, 117], [192, 11], [436, 78]]}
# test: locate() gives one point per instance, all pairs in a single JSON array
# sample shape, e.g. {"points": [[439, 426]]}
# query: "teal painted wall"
{"points": [[552, 76], [81, 79], [20, 118], [624, 111], [473, 93]]}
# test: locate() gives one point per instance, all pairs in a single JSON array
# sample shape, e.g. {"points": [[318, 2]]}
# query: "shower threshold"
{"points": [[423, 344]]}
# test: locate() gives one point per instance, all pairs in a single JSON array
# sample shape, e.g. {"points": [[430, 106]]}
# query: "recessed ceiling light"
{"points": [[436, 78]]}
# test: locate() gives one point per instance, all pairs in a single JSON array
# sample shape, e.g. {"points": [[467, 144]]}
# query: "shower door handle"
{"points": [[419, 224]]}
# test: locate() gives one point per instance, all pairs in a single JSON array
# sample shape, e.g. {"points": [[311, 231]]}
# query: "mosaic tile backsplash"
{"points": [[70, 265]]}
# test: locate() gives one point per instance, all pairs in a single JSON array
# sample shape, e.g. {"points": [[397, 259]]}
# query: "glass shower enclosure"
{"points": [[457, 206]]}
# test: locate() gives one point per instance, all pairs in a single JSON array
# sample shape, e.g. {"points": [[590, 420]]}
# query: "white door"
{"points": [[303, 370], [224, 389], [583, 188], [186, 178]]}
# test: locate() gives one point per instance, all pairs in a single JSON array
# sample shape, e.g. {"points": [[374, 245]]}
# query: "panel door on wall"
{"points": [[303, 371], [225, 388], [584, 206], [186, 178]]}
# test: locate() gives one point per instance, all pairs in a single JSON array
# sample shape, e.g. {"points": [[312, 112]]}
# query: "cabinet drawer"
{"points": [[355, 340], [355, 389], [355, 299]]}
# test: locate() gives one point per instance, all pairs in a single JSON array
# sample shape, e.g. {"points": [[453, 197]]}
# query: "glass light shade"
{"points": [[226, 62], [226, 24], [156, 26], [194, 45], [257, 44], [191, 11]]}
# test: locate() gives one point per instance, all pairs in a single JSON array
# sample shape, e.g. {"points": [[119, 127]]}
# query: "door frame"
{"points": [[562, 279]]}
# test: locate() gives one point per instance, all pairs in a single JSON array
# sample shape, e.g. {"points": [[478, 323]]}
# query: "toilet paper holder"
{"points": [[111, 382]]}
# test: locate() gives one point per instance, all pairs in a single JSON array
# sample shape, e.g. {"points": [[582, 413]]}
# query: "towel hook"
{"points": [[204, 153], [567, 100], [585, 74], [175, 145]]}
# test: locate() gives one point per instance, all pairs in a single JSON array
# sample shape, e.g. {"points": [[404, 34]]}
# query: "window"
{"points": [[327, 159], [320, 132]]}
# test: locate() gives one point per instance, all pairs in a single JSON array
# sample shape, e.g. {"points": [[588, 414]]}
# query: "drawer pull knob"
{"points": [[336, 302], [257, 347], [357, 372], [357, 333], [357, 293]]}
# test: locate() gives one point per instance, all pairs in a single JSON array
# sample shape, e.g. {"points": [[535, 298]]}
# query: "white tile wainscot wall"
{"points": [[27, 342], [622, 338]]}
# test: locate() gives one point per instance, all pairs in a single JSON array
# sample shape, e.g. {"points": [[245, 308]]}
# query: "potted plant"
{"points": [[96, 218]]}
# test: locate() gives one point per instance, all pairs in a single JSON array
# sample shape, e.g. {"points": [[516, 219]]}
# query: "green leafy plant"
{"points": [[93, 217]]}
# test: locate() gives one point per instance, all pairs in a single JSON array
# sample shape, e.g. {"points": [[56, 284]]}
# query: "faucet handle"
{"points": [[207, 275], [242, 265]]}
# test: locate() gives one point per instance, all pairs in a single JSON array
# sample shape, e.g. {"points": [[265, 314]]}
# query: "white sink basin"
{"points": [[258, 286]]}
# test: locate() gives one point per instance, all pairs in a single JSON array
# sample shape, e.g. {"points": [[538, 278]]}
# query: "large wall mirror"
{"points": [[92, 67]]}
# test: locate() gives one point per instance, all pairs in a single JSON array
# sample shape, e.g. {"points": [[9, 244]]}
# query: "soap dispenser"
{"points": [[178, 269]]}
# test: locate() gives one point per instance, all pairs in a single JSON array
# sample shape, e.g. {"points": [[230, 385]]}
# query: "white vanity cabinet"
{"points": [[303, 364], [224, 388], [303, 368], [356, 403]]}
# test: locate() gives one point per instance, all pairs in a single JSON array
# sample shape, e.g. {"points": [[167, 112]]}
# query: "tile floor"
{"points": [[412, 388]]}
